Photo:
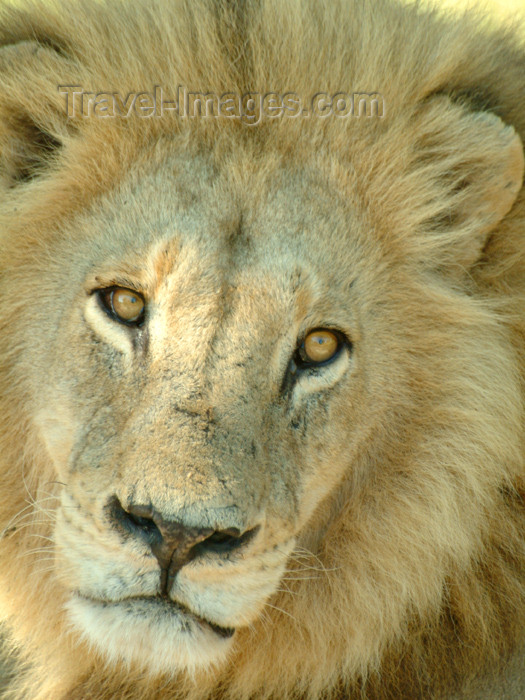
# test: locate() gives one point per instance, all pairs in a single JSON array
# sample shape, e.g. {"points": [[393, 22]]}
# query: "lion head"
{"points": [[261, 388]]}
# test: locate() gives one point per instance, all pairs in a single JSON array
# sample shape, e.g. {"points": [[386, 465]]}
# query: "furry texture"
{"points": [[388, 486]]}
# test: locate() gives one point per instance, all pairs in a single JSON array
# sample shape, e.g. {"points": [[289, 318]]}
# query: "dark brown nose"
{"points": [[173, 543]]}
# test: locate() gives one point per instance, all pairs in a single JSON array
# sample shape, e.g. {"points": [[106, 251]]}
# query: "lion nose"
{"points": [[173, 543]]}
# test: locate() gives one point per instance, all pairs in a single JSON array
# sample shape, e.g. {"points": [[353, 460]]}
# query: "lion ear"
{"points": [[33, 122], [476, 163]]}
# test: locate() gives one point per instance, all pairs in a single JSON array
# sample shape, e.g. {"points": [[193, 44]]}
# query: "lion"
{"points": [[262, 367]]}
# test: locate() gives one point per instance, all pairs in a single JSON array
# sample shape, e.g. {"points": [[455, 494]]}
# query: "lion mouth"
{"points": [[139, 605]]}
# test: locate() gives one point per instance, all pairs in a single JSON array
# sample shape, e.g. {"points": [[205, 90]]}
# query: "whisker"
{"points": [[300, 578], [31, 523], [284, 612], [300, 554], [32, 552], [286, 590], [14, 518], [43, 537], [22, 521]]}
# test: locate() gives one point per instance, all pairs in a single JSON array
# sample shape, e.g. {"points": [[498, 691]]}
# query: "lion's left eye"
{"points": [[124, 305], [318, 347]]}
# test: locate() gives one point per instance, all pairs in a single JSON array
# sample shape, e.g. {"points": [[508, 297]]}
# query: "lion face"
{"points": [[231, 344], [196, 440], [241, 364], [261, 385]]}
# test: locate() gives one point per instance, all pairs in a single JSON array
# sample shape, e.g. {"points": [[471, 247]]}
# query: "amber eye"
{"points": [[123, 305], [319, 346]]}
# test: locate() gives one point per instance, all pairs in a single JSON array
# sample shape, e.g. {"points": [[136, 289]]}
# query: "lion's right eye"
{"points": [[123, 305]]}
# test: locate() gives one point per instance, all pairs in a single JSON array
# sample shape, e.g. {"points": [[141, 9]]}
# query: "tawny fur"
{"points": [[417, 554]]}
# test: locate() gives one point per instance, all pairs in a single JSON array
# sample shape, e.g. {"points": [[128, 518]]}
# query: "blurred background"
{"points": [[500, 11]]}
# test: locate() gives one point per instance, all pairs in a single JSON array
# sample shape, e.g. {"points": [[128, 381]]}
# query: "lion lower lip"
{"points": [[224, 632]]}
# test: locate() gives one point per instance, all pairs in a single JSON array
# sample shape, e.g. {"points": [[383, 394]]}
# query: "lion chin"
{"points": [[154, 634]]}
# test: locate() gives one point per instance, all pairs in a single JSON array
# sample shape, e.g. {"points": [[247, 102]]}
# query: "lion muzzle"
{"points": [[173, 543]]}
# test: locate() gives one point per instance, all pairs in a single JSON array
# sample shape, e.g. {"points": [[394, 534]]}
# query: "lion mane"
{"points": [[395, 474]]}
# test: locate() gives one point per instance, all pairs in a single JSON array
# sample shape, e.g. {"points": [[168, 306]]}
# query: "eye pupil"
{"points": [[123, 304], [320, 346]]}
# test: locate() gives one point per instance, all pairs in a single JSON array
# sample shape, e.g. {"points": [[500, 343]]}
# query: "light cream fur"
{"points": [[387, 486]]}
